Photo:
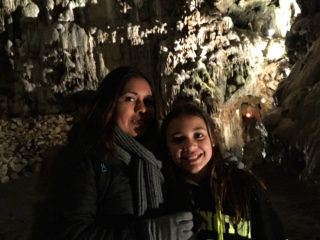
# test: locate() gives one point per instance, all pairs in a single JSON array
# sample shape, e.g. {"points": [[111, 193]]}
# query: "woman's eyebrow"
{"points": [[136, 94], [131, 92], [175, 134]]}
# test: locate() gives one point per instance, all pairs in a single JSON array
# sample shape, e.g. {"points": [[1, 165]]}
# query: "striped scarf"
{"points": [[147, 172]]}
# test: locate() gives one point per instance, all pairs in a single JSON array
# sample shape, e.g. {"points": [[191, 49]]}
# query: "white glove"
{"points": [[176, 226]]}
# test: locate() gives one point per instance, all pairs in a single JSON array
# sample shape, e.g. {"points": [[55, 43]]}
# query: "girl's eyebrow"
{"points": [[179, 133], [199, 128]]}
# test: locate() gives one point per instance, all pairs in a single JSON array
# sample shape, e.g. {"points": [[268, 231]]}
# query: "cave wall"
{"points": [[222, 53], [294, 120]]}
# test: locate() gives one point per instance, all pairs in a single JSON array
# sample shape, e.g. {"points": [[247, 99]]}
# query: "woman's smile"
{"points": [[134, 107]]}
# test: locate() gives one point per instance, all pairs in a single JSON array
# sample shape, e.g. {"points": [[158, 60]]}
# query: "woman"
{"points": [[105, 184], [230, 203]]}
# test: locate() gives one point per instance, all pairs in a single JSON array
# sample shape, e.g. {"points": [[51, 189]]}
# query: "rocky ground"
{"points": [[16, 198], [297, 203]]}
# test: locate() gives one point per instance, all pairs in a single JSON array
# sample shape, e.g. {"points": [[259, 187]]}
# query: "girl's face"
{"points": [[134, 109], [190, 145]]}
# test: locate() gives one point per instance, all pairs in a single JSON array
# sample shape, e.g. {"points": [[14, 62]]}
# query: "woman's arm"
{"points": [[74, 209], [92, 200]]}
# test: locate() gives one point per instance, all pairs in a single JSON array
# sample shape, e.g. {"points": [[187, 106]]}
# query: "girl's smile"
{"points": [[189, 144]]}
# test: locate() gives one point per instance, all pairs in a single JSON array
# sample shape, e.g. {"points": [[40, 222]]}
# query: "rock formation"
{"points": [[251, 63]]}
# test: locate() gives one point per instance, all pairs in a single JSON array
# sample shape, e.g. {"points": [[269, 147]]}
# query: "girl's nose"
{"points": [[189, 145]]}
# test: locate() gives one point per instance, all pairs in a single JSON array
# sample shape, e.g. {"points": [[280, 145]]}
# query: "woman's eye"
{"points": [[148, 102], [177, 140], [129, 99]]}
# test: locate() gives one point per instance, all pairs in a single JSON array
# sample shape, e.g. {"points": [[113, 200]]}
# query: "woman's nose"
{"points": [[140, 107]]}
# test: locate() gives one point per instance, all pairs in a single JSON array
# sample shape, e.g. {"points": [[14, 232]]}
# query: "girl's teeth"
{"points": [[193, 157]]}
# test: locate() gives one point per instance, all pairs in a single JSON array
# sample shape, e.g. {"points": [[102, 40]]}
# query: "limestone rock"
{"points": [[223, 54], [31, 10], [23, 142]]}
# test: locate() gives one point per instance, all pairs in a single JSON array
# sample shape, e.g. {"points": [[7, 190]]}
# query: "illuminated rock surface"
{"points": [[225, 54], [236, 57]]}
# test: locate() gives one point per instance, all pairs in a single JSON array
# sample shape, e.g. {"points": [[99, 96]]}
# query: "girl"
{"points": [[229, 203]]}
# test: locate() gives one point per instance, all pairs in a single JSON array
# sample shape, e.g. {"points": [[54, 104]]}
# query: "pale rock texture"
{"points": [[24, 141], [231, 56], [297, 121]]}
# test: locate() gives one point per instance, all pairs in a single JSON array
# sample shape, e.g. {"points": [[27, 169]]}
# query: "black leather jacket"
{"points": [[89, 197]]}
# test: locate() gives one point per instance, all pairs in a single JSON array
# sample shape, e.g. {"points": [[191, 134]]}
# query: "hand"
{"points": [[176, 226]]}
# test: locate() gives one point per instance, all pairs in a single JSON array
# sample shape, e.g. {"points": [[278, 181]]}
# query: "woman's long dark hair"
{"points": [[230, 192], [94, 129]]}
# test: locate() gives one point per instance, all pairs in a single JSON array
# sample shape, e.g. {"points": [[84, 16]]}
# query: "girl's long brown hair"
{"points": [[231, 191]]}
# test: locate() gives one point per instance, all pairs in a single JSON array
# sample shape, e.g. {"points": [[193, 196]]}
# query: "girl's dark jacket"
{"points": [[264, 222], [89, 197]]}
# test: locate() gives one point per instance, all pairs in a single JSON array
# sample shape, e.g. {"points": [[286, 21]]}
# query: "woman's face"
{"points": [[134, 109], [189, 145]]}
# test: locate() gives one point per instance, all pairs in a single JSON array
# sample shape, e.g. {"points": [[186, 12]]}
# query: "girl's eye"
{"points": [[198, 135]]}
